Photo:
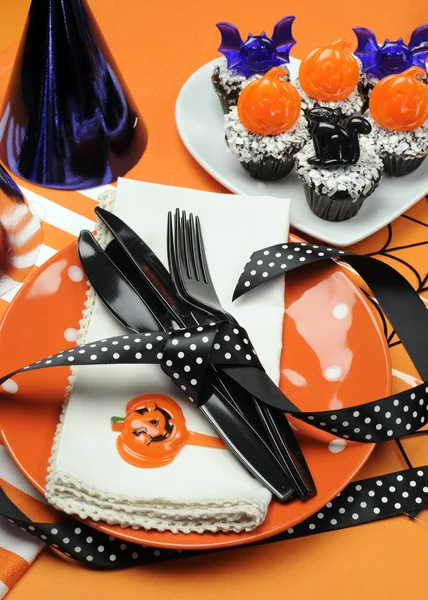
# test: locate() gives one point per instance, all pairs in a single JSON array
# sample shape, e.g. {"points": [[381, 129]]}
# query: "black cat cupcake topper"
{"points": [[321, 114], [335, 144]]}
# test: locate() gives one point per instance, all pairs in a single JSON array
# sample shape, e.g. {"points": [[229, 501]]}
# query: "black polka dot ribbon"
{"points": [[183, 354], [373, 499], [401, 493], [80, 542], [383, 419]]}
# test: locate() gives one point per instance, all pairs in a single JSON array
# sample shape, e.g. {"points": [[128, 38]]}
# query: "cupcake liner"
{"points": [[331, 208], [269, 168], [397, 166]]}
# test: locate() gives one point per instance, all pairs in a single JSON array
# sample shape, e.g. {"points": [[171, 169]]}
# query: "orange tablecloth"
{"points": [[158, 45]]}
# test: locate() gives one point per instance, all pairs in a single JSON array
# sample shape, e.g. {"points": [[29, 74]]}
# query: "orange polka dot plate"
{"points": [[334, 354]]}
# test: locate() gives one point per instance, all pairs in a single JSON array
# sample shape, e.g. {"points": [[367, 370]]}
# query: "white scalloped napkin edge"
{"points": [[202, 489]]}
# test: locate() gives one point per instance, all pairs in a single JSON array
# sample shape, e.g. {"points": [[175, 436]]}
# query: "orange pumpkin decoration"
{"points": [[153, 431], [269, 105], [400, 102], [329, 73]]}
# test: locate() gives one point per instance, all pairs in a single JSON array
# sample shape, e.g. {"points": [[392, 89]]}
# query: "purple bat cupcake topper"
{"points": [[391, 57], [258, 53]]}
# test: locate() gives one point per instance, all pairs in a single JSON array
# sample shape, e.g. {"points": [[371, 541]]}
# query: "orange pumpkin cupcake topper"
{"points": [[269, 105], [154, 431], [400, 102], [329, 73]]}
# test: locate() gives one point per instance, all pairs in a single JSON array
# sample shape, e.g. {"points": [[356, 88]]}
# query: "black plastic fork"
{"points": [[199, 291]]}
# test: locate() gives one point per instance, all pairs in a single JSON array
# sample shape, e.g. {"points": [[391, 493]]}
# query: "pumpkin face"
{"points": [[269, 105], [152, 432], [329, 73], [400, 102]]}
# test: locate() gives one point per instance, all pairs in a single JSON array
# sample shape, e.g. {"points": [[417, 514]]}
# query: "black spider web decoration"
{"points": [[386, 251]]}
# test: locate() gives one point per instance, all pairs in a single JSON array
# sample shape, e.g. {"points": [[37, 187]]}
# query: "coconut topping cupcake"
{"points": [[402, 152], [398, 112], [267, 128], [328, 77], [338, 170], [249, 60]]}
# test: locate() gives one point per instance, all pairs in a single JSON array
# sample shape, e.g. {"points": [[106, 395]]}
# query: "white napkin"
{"points": [[202, 489]]}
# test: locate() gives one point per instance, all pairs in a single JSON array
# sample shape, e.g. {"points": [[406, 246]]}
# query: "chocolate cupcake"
{"points": [[267, 128], [398, 112], [338, 170], [328, 77], [249, 60], [391, 58], [401, 152]]}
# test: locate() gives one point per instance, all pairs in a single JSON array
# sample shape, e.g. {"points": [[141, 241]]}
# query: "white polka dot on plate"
{"points": [[71, 334], [340, 311], [75, 273], [333, 373], [295, 378], [10, 386], [337, 446]]}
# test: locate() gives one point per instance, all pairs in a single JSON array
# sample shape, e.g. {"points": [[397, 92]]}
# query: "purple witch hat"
{"points": [[68, 120]]}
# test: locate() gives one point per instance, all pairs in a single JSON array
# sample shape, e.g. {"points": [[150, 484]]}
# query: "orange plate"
{"points": [[329, 330]]}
